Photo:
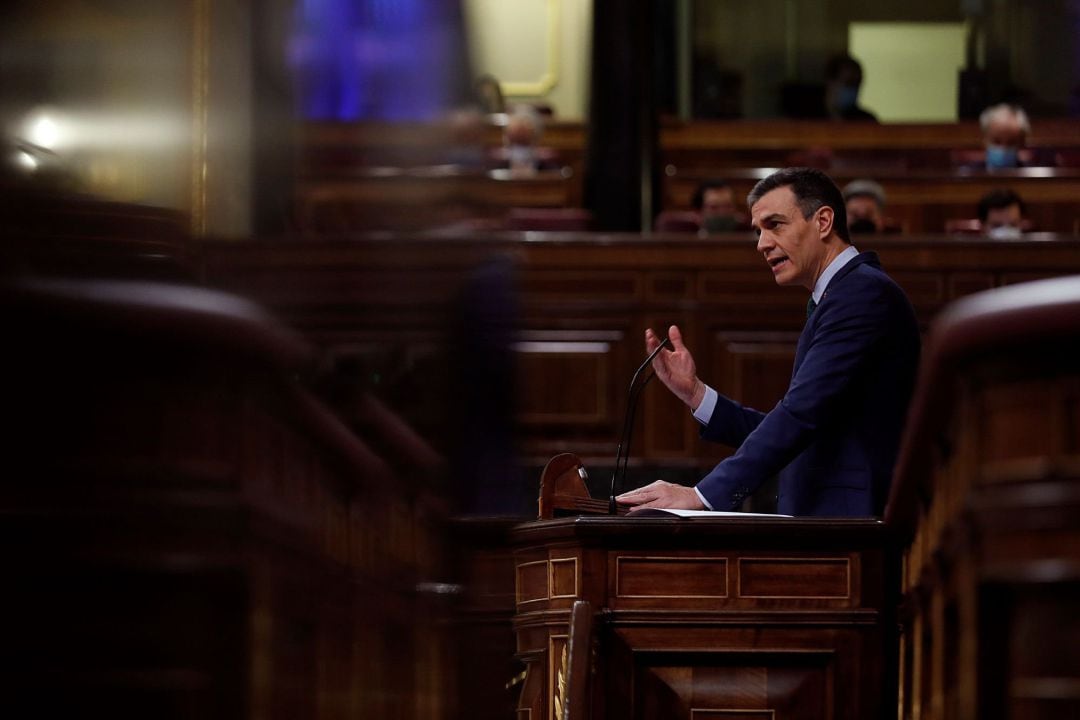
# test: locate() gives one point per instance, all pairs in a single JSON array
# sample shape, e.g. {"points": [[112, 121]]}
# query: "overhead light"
{"points": [[44, 132]]}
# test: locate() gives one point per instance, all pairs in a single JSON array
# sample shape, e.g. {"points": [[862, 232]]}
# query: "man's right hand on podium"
{"points": [[664, 495]]}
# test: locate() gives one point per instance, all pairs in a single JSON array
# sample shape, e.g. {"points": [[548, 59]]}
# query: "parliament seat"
{"points": [[973, 226], [677, 221], [549, 219], [963, 226]]}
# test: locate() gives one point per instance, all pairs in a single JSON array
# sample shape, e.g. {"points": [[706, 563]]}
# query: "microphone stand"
{"points": [[628, 422]]}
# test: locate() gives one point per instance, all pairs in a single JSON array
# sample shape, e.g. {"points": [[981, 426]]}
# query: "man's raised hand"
{"points": [[676, 367]]}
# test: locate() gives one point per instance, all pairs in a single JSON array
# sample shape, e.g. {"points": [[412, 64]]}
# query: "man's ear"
{"points": [[825, 216]]}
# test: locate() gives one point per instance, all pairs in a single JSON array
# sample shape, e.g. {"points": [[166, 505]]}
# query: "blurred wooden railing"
{"points": [[986, 506], [189, 531]]}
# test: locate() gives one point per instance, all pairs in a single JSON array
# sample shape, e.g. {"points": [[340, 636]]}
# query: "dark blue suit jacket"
{"points": [[834, 436]]}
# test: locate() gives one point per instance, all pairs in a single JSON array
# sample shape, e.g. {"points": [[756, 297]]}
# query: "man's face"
{"points": [[1003, 217], [793, 246], [864, 207], [718, 202]]}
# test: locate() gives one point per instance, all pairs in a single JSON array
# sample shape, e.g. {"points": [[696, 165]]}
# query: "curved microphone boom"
{"points": [[628, 422]]}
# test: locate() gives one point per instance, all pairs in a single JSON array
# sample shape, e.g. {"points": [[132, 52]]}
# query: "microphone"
{"points": [[628, 423]]}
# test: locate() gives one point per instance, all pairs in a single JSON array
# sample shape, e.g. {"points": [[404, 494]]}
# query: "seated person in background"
{"points": [[1005, 130], [1001, 213], [488, 95], [714, 201], [465, 148], [836, 99], [843, 77], [865, 202], [521, 151]]}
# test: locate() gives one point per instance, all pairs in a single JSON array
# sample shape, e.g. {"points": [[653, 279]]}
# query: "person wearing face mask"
{"points": [[865, 202], [1001, 213], [1005, 130], [843, 78], [714, 201]]}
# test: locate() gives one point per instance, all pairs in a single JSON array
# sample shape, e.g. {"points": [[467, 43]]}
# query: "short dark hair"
{"points": [[698, 200], [812, 188], [836, 64], [996, 200]]}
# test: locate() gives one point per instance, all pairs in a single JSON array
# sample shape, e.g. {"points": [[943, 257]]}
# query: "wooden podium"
{"points": [[732, 618]]}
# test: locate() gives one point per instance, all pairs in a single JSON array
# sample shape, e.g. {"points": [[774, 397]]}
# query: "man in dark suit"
{"points": [[834, 436]]}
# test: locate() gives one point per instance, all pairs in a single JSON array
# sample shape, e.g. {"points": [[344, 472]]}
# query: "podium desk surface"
{"points": [[758, 531]]}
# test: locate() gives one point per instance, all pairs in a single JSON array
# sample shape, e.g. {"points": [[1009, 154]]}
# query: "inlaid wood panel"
{"points": [[736, 287], [568, 285], [532, 581], [553, 579], [670, 286], [564, 578], [564, 382], [671, 578], [795, 578], [753, 368]]}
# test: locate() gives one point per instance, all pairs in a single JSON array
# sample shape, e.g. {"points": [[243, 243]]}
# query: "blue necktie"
{"points": [[810, 306]]}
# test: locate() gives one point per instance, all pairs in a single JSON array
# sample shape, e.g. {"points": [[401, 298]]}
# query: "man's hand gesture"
{"points": [[676, 367]]}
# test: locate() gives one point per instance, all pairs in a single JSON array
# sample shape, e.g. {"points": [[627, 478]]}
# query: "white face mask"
{"points": [[1004, 232]]}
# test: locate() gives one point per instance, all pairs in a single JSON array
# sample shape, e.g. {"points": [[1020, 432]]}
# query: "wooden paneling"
{"points": [[564, 578], [565, 383], [532, 581], [723, 686], [387, 301], [753, 368], [375, 201]]}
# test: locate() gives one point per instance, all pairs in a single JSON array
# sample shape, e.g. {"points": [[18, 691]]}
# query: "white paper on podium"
{"points": [[645, 512]]}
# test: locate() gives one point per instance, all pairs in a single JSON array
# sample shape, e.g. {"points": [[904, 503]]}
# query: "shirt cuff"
{"points": [[704, 411], [703, 500]]}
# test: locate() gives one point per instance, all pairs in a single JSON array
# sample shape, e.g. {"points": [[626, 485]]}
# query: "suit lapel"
{"points": [[869, 258]]}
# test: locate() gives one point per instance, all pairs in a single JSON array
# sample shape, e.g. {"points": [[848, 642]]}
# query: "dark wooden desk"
{"points": [[420, 198], [708, 618], [714, 146]]}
